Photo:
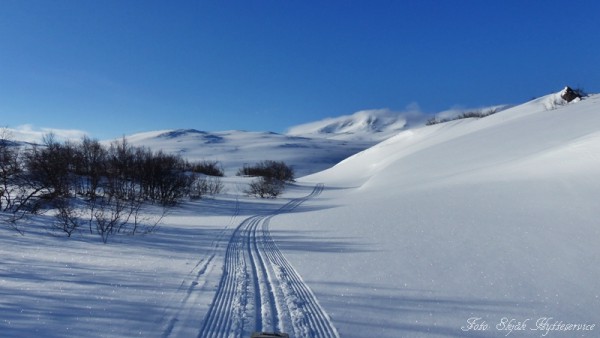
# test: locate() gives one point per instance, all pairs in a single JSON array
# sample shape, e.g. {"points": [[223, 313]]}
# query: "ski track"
{"points": [[259, 289], [180, 319]]}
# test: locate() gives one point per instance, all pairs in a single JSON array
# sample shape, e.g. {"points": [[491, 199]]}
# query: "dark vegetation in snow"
{"points": [[272, 176], [465, 115], [277, 170], [210, 168], [100, 188]]}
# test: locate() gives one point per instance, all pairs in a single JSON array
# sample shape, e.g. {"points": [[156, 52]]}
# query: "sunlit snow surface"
{"points": [[234, 149], [489, 219]]}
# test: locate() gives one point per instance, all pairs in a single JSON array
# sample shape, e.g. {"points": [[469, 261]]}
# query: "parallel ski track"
{"points": [[191, 288], [260, 290]]}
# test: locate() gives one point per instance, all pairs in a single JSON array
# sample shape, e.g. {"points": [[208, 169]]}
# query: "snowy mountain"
{"points": [[235, 148], [309, 148], [492, 219], [365, 125], [481, 146]]}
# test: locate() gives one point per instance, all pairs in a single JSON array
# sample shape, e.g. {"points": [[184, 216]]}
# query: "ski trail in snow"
{"points": [[260, 290], [179, 323]]}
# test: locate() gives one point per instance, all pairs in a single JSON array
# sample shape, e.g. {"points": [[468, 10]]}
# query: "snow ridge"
{"points": [[374, 125]]}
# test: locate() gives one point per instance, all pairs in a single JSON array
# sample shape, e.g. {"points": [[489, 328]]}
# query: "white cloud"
{"points": [[30, 133]]}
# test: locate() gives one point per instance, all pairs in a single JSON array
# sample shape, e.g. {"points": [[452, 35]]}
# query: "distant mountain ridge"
{"points": [[309, 147], [365, 125], [202, 136], [235, 148]]}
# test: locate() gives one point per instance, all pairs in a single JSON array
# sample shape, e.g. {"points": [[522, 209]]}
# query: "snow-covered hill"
{"points": [[367, 125], [309, 148], [494, 219], [235, 148]]}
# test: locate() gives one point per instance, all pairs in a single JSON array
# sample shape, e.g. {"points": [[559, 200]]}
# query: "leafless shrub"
{"points": [[265, 187], [69, 218], [209, 168], [205, 185], [277, 170], [89, 184]]}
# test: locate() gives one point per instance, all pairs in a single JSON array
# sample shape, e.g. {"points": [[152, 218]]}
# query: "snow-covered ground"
{"points": [[492, 218], [235, 148], [475, 221]]}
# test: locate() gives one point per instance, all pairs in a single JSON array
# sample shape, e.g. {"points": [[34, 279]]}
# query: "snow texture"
{"points": [[422, 235], [233, 149], [365, 125]]}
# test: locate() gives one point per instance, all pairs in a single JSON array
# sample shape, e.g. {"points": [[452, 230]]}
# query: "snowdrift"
{"points": [[484, 221]]}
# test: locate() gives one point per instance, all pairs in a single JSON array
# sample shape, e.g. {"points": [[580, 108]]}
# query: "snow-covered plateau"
{"points": [[482, 227]]}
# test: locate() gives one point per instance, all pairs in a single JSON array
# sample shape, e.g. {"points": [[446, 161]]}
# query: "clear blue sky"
{"points": [[118, 67]]}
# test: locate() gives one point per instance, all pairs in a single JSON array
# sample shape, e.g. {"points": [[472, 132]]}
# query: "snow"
{"points": [[487, 218], [366, 125], [470, 221], [235, 148]]}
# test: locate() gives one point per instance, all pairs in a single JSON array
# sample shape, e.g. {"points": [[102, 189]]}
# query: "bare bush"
{"points": [[265, 187], [68, 217], [209, 168], [90, 166], [110, 216], [277, 170], [205, 185], [52, 166], [19, 192], [89, 184], [10, 170]]}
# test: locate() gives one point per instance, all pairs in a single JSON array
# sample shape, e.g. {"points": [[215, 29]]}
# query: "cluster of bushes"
{"points": [[465, 115], [103, 188], [100, 187], [210, 168], [272, 169], [272, 176]]}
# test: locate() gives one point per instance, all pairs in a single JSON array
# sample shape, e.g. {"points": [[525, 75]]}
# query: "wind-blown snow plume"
{"points": [[368, 125]]}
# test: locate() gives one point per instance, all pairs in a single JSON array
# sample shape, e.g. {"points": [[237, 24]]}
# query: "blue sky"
{"points": [[111, 68]]}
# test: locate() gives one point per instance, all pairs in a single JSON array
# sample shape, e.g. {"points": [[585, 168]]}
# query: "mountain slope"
{"points": [[236, 148], [493, 219], [369, 125]]}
